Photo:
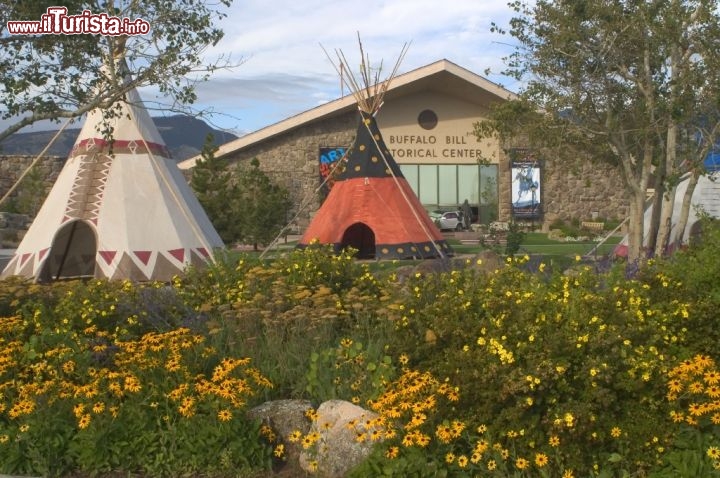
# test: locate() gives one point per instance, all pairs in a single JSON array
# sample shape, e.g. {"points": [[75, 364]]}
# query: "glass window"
{"points": [[428, 184], [469, 183], [488, 184], [410, 171], [447, 184]]}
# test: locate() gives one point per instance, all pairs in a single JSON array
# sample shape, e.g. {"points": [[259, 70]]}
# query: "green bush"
{"points": [[504, 373]]}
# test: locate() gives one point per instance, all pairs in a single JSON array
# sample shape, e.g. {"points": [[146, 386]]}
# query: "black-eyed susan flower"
{"points": [[279, 450], [224, 415], [84, 421], [712, 377], [541, 459], [714, 453]]}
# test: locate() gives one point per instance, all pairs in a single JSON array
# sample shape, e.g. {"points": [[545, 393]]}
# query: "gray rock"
{"points": [[285, 417], [339, 450]]}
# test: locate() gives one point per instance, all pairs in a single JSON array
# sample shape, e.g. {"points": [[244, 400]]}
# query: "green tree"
{"points": [[48, 77], [631, 82], [212, 182], [29, 196], [263, 205]]}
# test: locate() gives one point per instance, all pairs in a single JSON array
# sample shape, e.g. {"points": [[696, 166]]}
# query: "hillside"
{"points": [[183, 135]]}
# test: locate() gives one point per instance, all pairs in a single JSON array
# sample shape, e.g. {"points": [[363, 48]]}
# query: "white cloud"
{"points": [[287, 72]]}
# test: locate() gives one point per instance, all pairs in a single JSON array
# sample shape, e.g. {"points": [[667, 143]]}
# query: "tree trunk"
{"points": [[654, 226], [636, 226], [685, 210], [668, 202]]}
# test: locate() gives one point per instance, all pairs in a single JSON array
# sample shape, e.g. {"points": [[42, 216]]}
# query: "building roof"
{"points": [[441, 76]]}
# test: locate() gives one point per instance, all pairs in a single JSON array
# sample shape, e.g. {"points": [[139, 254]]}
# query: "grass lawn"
{"points": [[538, 243]]}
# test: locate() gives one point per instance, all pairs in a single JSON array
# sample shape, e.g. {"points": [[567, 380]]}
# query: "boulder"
{"points": [[284, 417], [339, 448]]}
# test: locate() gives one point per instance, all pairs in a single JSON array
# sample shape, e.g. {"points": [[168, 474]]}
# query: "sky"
{"points": [[285, 70]]}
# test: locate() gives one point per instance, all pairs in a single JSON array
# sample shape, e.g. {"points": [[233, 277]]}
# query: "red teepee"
{"points": [[371, 206]]}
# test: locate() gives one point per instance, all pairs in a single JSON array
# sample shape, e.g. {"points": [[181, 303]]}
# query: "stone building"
{"points": [[427, 122]]}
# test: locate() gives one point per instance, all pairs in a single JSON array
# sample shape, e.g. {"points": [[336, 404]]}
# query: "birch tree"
{"points": [[630, 82]]}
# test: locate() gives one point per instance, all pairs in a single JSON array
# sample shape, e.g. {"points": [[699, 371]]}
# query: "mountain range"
{"points": [[183, 135]]}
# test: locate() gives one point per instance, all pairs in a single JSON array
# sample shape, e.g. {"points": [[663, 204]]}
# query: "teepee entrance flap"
{"points": [[72, 252], [361, 237]]}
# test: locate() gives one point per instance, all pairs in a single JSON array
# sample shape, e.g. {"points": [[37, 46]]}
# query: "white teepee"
{"points": [[118, 210], [705, 200]]}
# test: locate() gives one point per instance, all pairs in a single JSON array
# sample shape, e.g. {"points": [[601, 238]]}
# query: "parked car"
{"points": [[448, 220]]}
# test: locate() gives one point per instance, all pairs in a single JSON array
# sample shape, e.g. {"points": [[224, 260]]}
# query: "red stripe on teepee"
{"points": [[144, 256], [178, 254], [42, 253], [24, 258], [107, 255], [203, 251]]}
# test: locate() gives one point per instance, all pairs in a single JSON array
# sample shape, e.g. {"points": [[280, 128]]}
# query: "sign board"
{"points": [[526, 187]]}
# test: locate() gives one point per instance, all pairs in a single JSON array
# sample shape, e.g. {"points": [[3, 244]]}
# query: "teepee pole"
{"points": [[34, 162]]}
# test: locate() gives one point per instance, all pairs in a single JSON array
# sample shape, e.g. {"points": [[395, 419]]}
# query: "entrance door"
{"points": [[359, 236], [72, 253]]}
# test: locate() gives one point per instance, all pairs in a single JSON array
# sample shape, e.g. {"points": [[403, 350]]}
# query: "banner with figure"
{"points": [[526, 185], [328, 160]]}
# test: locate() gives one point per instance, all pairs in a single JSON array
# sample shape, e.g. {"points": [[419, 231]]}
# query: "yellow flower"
{"points": [[521, 463], [568, 474], [307, 441], [279, 450], [392, 452], [554, 441], [24, 428], [462, 461], [224, 415], [615, 432], [311, 414], [295, 436], [714, 453], [541, 459], [449, 458], [712, 377], [84, 421], [491, 465]]}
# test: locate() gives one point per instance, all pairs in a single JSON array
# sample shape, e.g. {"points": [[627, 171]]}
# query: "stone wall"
{"points": [[585, 191], [582, 190], [12, 167]]}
